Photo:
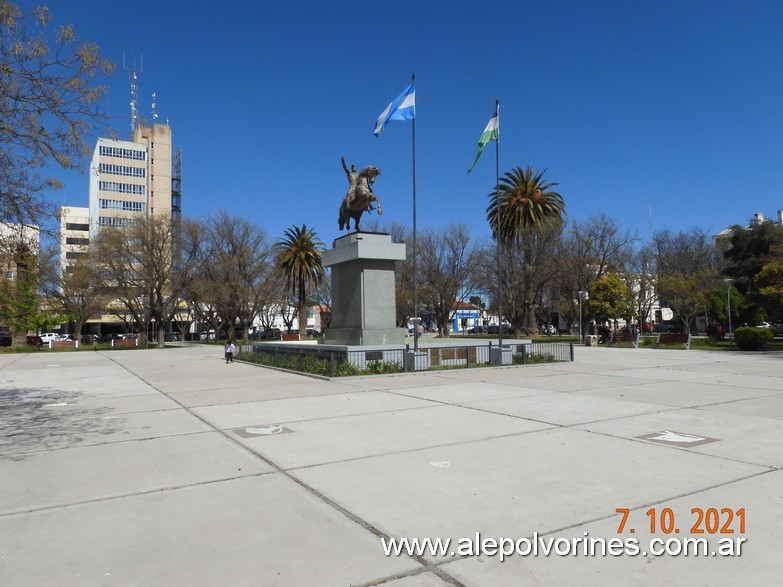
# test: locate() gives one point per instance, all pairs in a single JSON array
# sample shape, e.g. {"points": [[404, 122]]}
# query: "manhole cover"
{"points": [[677, 438]]}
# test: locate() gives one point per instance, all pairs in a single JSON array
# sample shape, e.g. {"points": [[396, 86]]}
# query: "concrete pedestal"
{"points": [[363, 296]]}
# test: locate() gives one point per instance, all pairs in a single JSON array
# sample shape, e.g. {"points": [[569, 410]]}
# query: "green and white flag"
{"points": [[491, 133]]}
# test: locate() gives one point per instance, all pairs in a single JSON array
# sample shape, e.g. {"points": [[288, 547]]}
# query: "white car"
{"points": [[48, 337]]}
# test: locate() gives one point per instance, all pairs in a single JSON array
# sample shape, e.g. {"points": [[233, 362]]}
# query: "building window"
{"points": [[123, 153], [75, 255], [122, 205], [122, 188], [75, 226], [123, 170], [109, 221], [76, 241]]}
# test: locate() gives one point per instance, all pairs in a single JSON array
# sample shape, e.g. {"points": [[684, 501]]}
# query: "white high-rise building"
{"points": [[130, 180]]}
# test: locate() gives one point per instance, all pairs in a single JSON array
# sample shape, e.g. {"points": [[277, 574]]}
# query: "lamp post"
{"points": [[580, 294], [728, 283]]}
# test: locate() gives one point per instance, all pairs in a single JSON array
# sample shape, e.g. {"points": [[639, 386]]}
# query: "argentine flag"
{"points": [[403, 107]]}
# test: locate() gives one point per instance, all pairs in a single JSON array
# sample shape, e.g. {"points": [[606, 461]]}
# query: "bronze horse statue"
{"points": [[360, 197]]}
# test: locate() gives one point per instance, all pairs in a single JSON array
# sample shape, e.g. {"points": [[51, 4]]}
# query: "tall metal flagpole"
{"points": [[415, 280], [497, 230]]}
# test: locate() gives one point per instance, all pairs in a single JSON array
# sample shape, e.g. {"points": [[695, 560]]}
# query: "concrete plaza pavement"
{"points": [[172, 468]]}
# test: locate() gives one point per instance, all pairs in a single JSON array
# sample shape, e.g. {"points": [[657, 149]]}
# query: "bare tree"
{"points": [[234, 263], [76, 292], [135, 267], [686, 267], [447, 271], [49, 107], [587, 251], [529, 268]]}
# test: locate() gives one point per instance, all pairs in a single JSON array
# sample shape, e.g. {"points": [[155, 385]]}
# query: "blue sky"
{"points": [[667, 107]]}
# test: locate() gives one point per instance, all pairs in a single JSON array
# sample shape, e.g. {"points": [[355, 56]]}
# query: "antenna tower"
{"points": [[134, 94]]}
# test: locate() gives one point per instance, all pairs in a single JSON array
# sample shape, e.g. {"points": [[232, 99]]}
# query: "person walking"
{"points": [[230, 348]]}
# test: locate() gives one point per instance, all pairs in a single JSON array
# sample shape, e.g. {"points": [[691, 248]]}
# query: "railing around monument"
{"points": [[328, 362]]}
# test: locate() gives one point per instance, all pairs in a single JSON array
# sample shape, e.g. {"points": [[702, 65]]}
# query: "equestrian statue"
{"points": [[360, 197]]}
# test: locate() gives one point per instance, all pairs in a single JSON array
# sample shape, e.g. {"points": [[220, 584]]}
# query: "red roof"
{"points": [[458, 305]]}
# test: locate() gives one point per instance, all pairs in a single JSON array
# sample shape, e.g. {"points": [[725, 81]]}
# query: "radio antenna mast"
{"points": [[134, 94]]}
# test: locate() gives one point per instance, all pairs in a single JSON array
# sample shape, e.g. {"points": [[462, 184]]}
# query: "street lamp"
{"points": [[580, 294], [728, 283]]}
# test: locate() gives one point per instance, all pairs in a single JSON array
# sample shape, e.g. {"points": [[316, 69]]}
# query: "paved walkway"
{"points": [[173, 468]]}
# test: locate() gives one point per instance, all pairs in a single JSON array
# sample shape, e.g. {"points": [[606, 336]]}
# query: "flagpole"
{"points": [[497, 231], [415, 280]]}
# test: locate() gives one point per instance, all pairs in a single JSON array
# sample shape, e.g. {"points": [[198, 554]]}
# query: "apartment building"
{"points": [[131, 179], [128, 181]]}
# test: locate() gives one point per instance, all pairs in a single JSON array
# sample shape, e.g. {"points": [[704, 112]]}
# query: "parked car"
{"points": [[128, 336], [5, 339], [478, 330], [313, 332], [272, 334], [35, 340], [63, 337], [90, 338], [777, 328], [48, 336], [172, 337], [507, 330]]}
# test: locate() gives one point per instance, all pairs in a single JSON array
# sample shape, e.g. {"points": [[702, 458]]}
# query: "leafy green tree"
{"points": [[49, 107], [687, 295], [717, 304], [770, 282], [610, 298], [299, 263], [20, 304], [753, 261]]}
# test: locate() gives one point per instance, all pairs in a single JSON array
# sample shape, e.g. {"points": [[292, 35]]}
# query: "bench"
{"points": [[673, 338], [632, 337]]}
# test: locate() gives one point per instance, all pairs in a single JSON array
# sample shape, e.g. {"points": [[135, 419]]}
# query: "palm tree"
{"points": [[299, 262], [523, 201]]}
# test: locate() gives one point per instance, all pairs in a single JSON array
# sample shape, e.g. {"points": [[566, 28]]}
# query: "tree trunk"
{"points": [[302, 308]]}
